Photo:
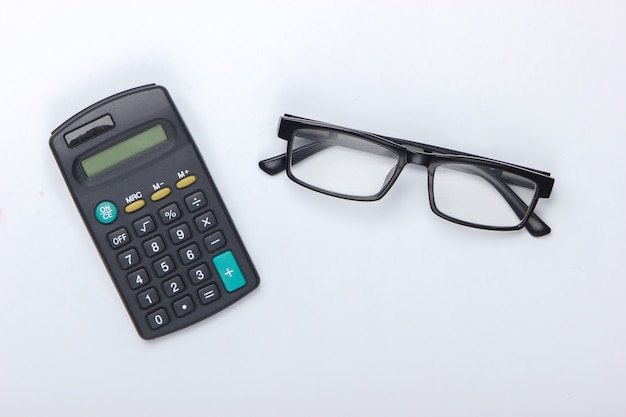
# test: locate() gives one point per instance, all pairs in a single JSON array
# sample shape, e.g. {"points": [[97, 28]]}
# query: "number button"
{"points": [[195, 201], [154, 246], [118, 238], [184, 306], [205, 221], [128, 259], [158, 319], [214, 241], [173, 286], [138, 279], [144, 226], [189, 254], [148, 298], [199, 274], [164, 266], [180, 233], [169, 214]]}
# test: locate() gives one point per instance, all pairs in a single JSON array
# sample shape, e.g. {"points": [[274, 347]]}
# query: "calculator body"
{"points": [[153, 211]]}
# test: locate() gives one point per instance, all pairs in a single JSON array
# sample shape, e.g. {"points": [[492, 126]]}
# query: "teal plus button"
{"points": [[228, 270], [106, 212]]}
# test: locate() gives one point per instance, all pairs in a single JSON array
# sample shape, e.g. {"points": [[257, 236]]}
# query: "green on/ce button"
{"points": [[106, 212]]}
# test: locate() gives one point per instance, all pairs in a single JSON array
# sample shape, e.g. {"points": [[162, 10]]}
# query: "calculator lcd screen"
{"points": [[123, 151]]}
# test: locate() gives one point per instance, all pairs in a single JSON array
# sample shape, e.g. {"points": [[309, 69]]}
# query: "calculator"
{"points": [[152, 210]]}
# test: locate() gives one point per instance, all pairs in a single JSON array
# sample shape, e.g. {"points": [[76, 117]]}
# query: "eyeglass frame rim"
{"points": [[433, 156]]}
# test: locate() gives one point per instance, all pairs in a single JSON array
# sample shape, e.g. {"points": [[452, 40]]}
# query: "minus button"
{"points": [[214, 241]]}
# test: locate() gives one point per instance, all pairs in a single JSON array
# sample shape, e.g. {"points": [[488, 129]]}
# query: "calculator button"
{"points": [[196, 201], [208, 294], [228, 270], [189, 254], [173, 286], [138, 279], [184, 306], [148, 298], [199, 274], [169, 214], [144, 226], [205, 221], [214, 241], [179, 233], [154, 246], [164, 266], [158, 319], [186, 182], [160, 194], [128, 259], [134, 206], [106, 212], [118, 238]]}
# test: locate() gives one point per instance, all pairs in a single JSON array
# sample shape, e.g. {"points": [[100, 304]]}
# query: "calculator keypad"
{"points": [[169, 257]]}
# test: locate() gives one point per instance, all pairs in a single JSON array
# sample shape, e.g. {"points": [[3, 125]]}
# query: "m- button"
{"points": [[118, 238]]}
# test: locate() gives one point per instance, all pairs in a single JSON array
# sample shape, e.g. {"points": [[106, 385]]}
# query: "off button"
{"points": [[106, 212]]}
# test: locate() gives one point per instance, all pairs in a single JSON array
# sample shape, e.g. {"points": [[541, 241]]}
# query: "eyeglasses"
{"points": [[466, 189]]}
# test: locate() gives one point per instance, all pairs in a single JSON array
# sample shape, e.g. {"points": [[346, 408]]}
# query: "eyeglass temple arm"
{"points": [[437, 149], [277, 164]]}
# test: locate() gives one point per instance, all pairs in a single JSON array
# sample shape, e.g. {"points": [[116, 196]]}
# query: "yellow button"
{"points": [[134, 206], [186, 182], [160, 194]]}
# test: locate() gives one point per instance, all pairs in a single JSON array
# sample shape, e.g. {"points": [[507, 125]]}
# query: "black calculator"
{"points": [[152, 210]]}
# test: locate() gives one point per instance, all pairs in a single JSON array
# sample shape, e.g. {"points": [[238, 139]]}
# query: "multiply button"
{"points": [[205, 221]]}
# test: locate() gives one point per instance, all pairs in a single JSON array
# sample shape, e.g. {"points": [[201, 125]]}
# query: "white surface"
{"points": [[363, 309]]}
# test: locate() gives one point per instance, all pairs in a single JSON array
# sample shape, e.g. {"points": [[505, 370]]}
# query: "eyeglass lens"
{"points": [[341, 163], [482, 195]]}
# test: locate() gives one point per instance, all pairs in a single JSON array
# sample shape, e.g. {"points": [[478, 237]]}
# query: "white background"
{"points": [[364, 309]]}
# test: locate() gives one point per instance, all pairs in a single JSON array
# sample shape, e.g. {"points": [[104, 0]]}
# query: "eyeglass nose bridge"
{"points": [[417, 156]]}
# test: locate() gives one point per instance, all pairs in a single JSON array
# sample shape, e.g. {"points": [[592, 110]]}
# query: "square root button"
{"points": [[229, 272]]}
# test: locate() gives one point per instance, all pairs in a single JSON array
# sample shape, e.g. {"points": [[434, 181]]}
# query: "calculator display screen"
{"points": [[123, 151]]}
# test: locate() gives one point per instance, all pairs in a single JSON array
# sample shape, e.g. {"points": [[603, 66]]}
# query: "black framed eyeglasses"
{"points": [[466, 189]]}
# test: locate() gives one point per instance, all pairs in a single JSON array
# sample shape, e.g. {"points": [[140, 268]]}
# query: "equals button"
{"points": [[208, 294]]}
